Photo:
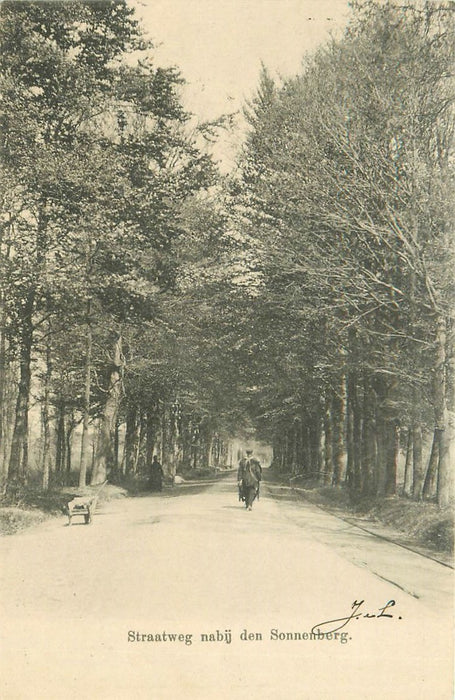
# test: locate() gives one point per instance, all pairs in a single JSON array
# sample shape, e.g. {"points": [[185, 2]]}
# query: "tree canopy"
{"points": [[307, 297]]}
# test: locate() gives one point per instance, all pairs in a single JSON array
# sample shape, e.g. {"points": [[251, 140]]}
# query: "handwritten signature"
{"points": [[354, 615]]}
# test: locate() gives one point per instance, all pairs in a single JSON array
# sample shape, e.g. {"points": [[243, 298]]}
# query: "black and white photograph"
{"points": [[227, 349]]}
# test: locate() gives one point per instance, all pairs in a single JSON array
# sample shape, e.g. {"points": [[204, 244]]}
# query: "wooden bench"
{"points": [[83, 505]]}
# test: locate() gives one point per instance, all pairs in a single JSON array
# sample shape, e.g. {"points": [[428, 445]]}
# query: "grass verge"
{"points": [[30, 507], [420, 524]]}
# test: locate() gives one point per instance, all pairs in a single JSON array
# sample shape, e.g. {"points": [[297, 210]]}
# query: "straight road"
{"points": [[91, 611]]}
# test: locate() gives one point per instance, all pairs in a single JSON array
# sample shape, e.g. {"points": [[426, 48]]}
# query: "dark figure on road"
{"points": [[156, 475], [249, 477]]}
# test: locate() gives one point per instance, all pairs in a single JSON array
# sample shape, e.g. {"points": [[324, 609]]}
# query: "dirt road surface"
{"points": [[87, 610]]}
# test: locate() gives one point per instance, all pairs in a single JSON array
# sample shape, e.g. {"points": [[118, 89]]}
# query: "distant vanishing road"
{"points": [[186, 595]]}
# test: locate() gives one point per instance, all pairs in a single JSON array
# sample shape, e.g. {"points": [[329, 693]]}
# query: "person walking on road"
{"points": [[249, 477]]}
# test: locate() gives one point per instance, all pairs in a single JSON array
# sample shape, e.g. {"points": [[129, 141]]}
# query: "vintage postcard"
{"points": [[227, 409]]}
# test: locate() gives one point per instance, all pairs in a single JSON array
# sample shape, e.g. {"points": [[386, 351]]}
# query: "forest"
{"points": [[151, 304]]}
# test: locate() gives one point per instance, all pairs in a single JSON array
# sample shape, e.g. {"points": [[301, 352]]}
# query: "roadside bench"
{"points": [[83, 505]]}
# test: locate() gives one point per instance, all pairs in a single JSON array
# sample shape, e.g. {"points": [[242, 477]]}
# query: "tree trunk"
{"points": [[131, 438], [9, 412], [206, 463], [164, 440], [444, 407], [417, 469], [315, 445], [285, 460], [140, 444], [194, 444], [357, 435], [60, 456], [44, 445], [18, 462], [381, 456], [177, 442], [384, 435], [430, 483], [45, 413], [3, 375], [408, 473], [392, 451], [104, 461], [95, 439], [115, 467], [338, 407], [151, 431], [447, 490], [369, 446], [69, 446], [354, 419], [307, 465], [417, 465], [350, 460], [301, 450], [186, 442], [85, 440], [328, 439], [445, 469]]}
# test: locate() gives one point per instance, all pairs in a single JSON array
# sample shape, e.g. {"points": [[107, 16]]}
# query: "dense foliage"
{"points": [[147, 306], [347, 183]]}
